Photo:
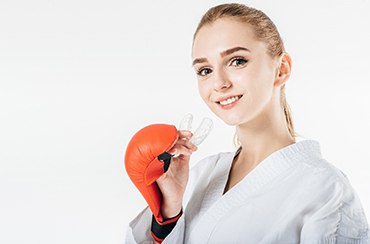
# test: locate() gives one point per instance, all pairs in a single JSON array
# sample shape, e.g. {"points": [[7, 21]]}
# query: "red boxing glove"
{"points": [[146, 159]]}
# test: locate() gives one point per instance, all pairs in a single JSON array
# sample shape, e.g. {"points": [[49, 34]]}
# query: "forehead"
{"points": [[223, 34]]}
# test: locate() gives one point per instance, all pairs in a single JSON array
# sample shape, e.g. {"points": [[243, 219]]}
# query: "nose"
{"points": [[221, 81]]}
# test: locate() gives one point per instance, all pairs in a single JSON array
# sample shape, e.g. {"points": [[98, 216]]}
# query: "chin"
{"points": [[230, 119], [231, 122]]}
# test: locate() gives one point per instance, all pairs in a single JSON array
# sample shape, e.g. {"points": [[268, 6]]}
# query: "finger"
{"points": [[182, 143], [187, 144], [180, 150], [183, 134]]}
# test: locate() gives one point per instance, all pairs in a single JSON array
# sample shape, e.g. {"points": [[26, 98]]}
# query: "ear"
{"points": [[284, 69]]}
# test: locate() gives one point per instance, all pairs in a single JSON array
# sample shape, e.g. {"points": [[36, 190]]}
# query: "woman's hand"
{"points": [[173, 183]]}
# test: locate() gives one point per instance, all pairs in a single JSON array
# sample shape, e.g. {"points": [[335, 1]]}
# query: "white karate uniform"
{"points": [[292, 196]]}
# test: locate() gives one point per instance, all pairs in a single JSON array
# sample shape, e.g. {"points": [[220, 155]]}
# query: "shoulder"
{"points": [[331, 182], [329, 177], [332, 208], [338, 210], [313, 168]]}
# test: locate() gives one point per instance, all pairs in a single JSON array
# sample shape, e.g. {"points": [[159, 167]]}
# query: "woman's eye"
{"points": [[204, 71], [238, 61]]}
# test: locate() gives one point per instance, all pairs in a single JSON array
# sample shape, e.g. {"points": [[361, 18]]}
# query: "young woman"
{"points": [[276, 187]]}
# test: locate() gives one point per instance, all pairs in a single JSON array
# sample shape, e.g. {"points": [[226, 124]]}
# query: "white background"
{"points": [[79, 78]]}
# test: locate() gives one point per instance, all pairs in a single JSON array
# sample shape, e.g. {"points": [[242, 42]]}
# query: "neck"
{"points": [[263, 136]]}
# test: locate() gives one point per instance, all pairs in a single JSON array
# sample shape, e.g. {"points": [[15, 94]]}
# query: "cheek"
{"points": [[256, 82], [203, 91], [261, 90]]}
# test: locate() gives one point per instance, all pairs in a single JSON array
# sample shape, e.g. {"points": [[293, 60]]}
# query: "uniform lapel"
{"points": [[215, 205]]}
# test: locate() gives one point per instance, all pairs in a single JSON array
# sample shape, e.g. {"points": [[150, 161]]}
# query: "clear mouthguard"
{"points": [[201, 132]]}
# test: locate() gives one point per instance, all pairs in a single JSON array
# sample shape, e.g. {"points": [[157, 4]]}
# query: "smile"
{"points": [[229, 102]]}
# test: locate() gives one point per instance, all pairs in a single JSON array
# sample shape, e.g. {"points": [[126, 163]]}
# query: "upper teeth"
{"points": [[229, 100]]}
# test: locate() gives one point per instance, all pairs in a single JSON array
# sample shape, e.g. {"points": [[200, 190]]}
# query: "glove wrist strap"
{"points": [[160, 230]]}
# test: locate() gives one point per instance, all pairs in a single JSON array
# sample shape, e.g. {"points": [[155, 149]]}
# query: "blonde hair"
{"points": [[264, 30]]}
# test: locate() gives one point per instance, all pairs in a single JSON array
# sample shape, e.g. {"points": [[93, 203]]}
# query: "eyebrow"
{"points": [[222, 54]]}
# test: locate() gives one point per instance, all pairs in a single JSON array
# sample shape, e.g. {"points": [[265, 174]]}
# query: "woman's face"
{"points": [[235, 74]]}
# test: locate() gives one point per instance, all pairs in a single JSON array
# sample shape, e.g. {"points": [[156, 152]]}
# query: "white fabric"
{"points": [[292, 196]]}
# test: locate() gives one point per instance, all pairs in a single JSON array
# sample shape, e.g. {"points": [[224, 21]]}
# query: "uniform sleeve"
{"points": [[339, 218], [138, 230]]}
